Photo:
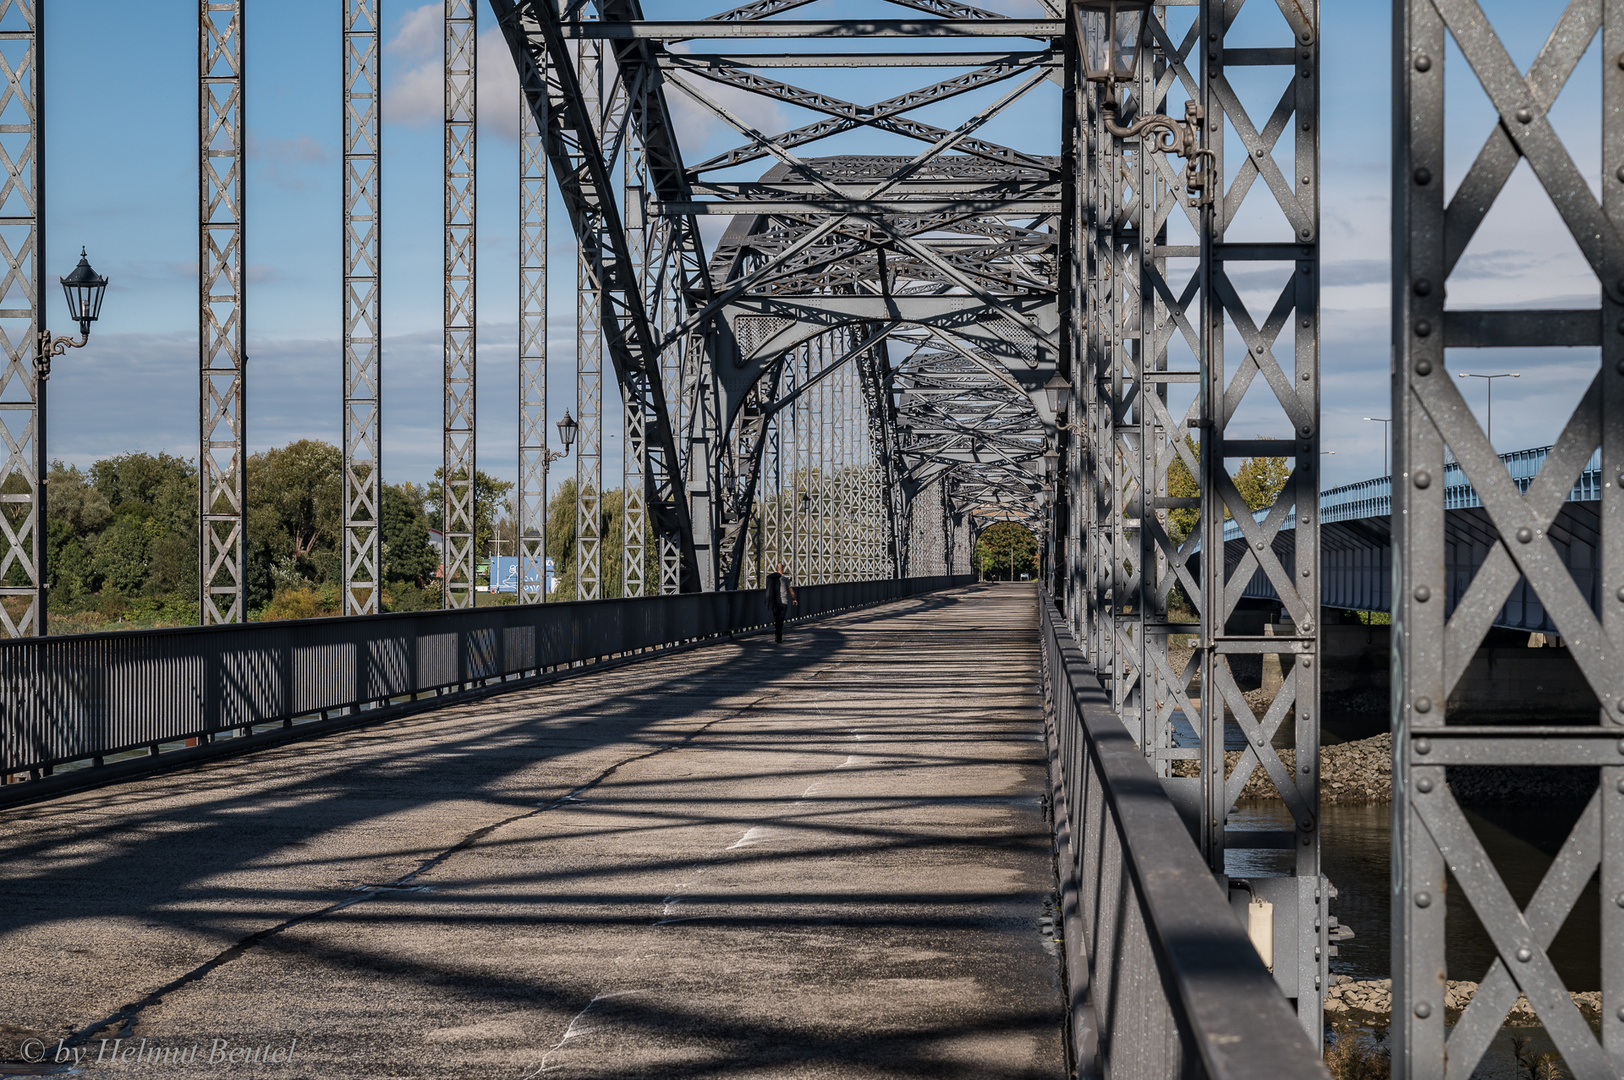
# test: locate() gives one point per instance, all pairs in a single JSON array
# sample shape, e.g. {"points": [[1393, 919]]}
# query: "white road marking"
{"points": [[575, 1030], [752, 837]]}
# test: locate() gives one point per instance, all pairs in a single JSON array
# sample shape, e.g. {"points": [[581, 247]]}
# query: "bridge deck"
{"points": [[826, 858]]}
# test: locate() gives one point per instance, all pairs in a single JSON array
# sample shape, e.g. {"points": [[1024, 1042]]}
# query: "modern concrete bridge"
{"points": [[825, 858]]}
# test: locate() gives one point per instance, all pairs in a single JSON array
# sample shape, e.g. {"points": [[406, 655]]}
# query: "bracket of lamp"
{"points": [[1164, 135]]}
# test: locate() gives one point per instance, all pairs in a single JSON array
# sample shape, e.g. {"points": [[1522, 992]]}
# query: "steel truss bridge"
{"points": [[865, 370]]}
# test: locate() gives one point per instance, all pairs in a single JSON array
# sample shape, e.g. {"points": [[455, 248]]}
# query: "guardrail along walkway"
{"points": [[826, 858]]}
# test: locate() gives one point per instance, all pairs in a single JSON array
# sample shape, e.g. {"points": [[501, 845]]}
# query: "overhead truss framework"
{"points": [[911, 292]]}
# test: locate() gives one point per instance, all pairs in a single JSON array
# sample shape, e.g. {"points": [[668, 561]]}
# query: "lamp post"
{"points": [[566, 434], [1384, 422], [84, 289], [1490, 380], [1113, 36]]}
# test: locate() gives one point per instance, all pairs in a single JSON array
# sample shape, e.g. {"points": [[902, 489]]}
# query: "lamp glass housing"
{"points": [[1113, 32], [566, 430], [84, 289], [1058, 391]]}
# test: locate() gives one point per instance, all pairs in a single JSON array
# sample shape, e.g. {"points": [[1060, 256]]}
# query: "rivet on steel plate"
{"points": [[1423, 176], [1423, 328], [1619, 899], [1524, 954], [1423, 367], [1424, 746], [1423, 594], [1423, 1010], [1620, 594], [1621, 1012], [1422, 287], [1423, 479], [1525, 535], [1423, 62], [1525, 116], [1423, 899], [1424, 785]]}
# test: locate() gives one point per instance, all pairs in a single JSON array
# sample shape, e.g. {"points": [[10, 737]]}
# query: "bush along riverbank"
{"points": [[1362, 772]]}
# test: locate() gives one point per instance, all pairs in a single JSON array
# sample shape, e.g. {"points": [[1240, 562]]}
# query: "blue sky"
{"points": [[121, 143]]}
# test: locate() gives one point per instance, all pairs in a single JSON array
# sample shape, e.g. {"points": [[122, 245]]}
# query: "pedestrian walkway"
{"points": [[826, 858]]}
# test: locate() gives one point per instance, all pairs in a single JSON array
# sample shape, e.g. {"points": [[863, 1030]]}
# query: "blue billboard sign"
{"points": [[505, 574]]}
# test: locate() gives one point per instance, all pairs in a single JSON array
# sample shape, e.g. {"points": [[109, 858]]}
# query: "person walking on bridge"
{"points": [[780, 597]]}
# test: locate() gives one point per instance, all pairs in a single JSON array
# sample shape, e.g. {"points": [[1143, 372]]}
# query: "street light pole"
{"points": [[1490, 380], [1385, 422]]}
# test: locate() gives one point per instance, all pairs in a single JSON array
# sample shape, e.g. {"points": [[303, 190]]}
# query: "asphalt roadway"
{"points": [[826, 858]]}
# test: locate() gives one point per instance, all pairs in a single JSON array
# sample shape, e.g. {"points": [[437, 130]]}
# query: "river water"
{"points": [[1355, 853]]}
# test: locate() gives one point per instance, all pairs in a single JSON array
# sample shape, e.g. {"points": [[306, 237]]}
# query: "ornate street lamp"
{"points": [[1113, 35], [1058, 393], [566, 432], [84, 289]]}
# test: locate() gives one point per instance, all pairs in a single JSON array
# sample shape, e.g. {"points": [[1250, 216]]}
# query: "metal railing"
{"points": [[1374, 497], [84, 698], [1163, 979]]}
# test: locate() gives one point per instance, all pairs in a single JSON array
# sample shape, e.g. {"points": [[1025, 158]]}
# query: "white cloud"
{"points": [[414, 85]]}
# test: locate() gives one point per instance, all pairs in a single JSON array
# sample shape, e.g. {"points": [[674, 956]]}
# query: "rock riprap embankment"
{"points": [[1371, 1001], [1362, 772], [1350, 772]]}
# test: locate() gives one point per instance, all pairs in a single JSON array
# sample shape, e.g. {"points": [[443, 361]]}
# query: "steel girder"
{"points": [[222, 286], [534, 457], [458, 457], [362, 304], [24, 465], [1432, 837]]}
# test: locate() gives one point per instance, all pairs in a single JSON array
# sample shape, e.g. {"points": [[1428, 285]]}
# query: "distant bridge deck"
{"points": [[826, 858]]}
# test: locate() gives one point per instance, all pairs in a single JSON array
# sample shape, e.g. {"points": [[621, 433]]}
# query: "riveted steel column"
{"points": [[458, 444], [1274, 371], [25, 464], [223, 453], [1439, 623], [363, 336], [533, 461]]}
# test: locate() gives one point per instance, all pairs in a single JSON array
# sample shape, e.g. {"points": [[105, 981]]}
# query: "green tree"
{"points": [[1261, 480], [408, 557], [294, 497], [121, 556], [1006, 549]]}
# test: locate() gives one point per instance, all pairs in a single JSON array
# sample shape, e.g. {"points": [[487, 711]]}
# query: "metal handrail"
{"points": [[1164, 981], [85, 698]]}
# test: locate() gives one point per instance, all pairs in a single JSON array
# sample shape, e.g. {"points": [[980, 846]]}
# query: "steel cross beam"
{"points": [[362, 305], [222, 288], [1431, 835]]}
